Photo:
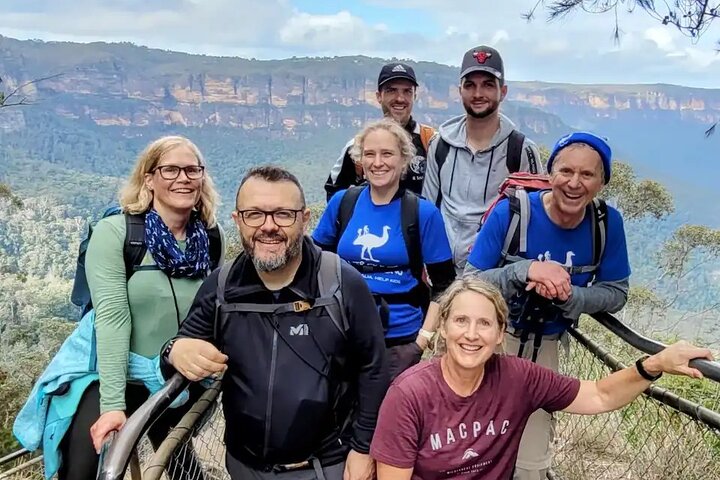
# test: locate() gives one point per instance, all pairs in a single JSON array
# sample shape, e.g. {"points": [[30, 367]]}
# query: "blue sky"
{"points": [[579, 49]]}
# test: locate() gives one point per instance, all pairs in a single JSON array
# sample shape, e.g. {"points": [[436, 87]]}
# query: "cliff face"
{"points": [[125, 85]]}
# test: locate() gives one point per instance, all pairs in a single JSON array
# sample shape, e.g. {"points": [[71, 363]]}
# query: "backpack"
{"points": [[513, 158], [134, 250], [409, 220], [329, 277], [516, 188]]}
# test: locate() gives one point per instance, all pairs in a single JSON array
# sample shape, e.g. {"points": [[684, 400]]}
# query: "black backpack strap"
{"points": [[598, 210], [220, 300], [215, 241], [516, 237], [441, 152], [347, 207], [134, 248], [330, 283], [514, 151], [410, 220]]}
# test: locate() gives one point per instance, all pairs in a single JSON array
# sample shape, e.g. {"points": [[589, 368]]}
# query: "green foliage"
{"points": [[637, 198]]}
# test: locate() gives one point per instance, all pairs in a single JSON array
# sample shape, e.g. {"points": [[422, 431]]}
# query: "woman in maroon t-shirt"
{"points": [[462, 414]]}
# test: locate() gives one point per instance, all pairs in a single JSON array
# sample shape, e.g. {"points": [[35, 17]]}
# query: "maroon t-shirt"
{"points": [[426, 426]]}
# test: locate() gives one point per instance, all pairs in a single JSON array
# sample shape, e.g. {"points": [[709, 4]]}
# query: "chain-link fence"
{"points": [[21, 466], [671, 432]]}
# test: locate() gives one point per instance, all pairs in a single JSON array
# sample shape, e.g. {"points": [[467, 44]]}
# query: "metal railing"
{"points": [[670, 432]]}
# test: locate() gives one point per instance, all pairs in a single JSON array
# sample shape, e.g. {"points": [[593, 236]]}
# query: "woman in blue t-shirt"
{"points": [[390, 235]]}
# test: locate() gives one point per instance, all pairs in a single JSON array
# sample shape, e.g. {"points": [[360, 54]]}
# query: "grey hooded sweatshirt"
{"points": [[469, 181]]}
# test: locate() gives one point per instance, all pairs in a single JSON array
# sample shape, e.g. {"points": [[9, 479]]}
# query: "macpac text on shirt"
{"points": [[436, 441]]}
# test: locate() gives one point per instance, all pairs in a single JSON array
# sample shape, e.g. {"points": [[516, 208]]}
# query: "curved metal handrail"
{"points": [[14, 456], [118, 454], [709, 369], [158, 462]]}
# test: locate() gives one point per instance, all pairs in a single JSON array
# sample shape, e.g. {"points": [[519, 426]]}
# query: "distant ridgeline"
{"points": [[97, 105]]}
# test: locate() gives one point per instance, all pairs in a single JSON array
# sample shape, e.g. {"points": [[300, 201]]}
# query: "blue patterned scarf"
{"points": [[194, 262]]}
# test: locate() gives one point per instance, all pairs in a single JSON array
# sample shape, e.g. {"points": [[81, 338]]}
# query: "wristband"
{"points": [[644, 373], [426, 334]]}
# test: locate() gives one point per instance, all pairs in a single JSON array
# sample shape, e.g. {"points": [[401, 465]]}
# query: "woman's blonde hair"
{"points": [[468, 283], [407, 149], [136, 198]]}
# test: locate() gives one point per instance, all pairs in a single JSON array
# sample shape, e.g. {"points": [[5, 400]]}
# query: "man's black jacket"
{"points": [[287, 390]]}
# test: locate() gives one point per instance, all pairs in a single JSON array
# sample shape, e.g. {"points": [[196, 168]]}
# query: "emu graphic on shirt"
{"points": [[368, 241], [568, 258]]}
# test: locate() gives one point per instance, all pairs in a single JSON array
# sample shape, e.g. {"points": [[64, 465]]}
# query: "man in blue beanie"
{"points": [[555, 254]]}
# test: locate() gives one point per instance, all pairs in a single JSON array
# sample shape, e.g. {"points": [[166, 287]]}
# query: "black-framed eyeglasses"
{"points": [[171, 172], [285, 217]]}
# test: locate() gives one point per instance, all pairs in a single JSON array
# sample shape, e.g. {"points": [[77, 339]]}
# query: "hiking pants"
{"points": [[240, 471], [79, 459], [401, 357], [536, 451]]}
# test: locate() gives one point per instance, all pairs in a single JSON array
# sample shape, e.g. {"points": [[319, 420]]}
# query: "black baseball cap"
{"points": [[483, 59], [395, 71]]}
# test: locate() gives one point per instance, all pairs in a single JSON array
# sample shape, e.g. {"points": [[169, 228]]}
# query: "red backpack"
{"points": [[516, 188]]}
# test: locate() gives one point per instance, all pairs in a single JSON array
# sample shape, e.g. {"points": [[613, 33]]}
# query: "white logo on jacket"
{"points": [[301, 329]]}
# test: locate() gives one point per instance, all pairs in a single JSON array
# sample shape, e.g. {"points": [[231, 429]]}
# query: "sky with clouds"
{"points": [[577, 49]]}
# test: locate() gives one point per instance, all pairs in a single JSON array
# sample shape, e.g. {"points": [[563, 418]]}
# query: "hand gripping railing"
{"points": [[121, 448], [672, 431], [120, 451], [708, 368]]}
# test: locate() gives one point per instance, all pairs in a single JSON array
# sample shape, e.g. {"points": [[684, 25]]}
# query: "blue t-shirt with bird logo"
{"points": [[373, 239]]}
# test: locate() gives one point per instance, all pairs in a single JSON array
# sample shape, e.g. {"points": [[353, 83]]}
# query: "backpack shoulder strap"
{"points": [[215, 241], [426, 133], [599, 227], [218, 326], [329, 283], [516, 237], [347, 207], [134, 248], [410, 220], [441, 153], [514, 151]]}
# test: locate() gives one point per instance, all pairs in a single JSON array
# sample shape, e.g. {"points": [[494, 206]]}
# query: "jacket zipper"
{"points": [[487, 177], [271, 383]]}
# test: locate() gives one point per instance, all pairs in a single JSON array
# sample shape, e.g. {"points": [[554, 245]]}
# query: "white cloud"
{"points": [[662, 37], [579, 48], [328, 32]]}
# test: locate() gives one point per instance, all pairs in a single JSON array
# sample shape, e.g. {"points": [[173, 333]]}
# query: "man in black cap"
{"points": [[473, 153], [396, 91]]}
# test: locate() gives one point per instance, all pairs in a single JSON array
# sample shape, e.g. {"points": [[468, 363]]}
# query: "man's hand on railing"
{"points": [[197, 359], [108, 422], [675, 359]]}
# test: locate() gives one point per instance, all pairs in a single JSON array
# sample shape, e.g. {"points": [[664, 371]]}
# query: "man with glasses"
{"points": [[298, 335], [396, 91]]}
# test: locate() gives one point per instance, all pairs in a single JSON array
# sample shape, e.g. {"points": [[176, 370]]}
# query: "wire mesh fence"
{"points": [[646, 440]]}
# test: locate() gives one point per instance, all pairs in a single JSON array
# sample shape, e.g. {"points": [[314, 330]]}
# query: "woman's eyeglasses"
{"points": [[171, 172]]}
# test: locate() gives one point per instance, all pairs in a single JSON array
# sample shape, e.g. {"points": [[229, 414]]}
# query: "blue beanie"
{"points": [[598, 144]]}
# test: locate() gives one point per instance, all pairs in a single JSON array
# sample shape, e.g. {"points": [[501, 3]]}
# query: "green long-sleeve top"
{"points": [[130, 316]]}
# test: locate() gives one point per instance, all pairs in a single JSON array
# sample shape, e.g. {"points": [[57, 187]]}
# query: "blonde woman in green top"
{"points": [[171, 191]]}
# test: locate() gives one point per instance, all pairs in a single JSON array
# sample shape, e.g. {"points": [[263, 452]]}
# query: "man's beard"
{"points": [[276, 261], [492, 108]]}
